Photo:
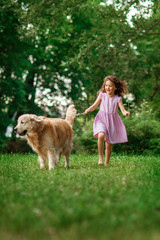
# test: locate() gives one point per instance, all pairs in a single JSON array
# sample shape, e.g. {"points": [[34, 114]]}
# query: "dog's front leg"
{"points": [[41, 162], [51, 160]]}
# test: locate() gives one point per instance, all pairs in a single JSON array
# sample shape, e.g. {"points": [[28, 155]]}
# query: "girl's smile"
{"points": [[110, 88]]}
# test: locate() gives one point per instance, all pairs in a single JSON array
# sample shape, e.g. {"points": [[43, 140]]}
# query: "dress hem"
{"points": [[105, 139]]}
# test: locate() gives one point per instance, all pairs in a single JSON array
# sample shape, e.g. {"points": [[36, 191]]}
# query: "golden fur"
{"points": [[48, 137]]}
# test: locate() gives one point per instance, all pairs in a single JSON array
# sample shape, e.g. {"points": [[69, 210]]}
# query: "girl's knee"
{"points": [[101, 135]]}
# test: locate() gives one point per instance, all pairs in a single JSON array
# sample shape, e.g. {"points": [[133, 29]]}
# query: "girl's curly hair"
{"points": [[120, 85]]}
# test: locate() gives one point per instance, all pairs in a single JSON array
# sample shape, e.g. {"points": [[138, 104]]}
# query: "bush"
{"points": [[17, 146], [83, 140], [143, 130]]}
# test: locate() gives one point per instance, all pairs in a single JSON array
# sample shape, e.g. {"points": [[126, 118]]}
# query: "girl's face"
{"points": [[110, 88]]}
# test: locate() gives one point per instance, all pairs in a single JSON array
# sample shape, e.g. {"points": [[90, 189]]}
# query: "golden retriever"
{"points": [[49, 137]]}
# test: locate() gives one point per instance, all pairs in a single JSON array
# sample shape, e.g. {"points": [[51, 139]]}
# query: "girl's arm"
{"points": [[123, 110], [93, 107]]}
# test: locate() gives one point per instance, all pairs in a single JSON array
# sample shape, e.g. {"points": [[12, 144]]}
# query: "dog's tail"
{"points": [[71, 114]]}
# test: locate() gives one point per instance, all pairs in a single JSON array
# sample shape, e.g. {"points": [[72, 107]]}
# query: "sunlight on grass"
{"points": [[86, 201]]}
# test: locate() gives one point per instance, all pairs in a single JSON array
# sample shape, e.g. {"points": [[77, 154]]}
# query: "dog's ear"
{"points": [[36, 118]]}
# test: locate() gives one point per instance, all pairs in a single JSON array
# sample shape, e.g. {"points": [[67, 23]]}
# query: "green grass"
{"points": [[86, 201]]}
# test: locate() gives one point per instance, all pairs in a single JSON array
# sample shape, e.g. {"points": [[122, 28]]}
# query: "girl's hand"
{"points": [[127, 114], [87, 110]]}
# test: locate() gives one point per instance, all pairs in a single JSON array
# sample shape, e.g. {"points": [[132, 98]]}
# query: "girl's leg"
{"points": [[108, 153], [100, 147]]}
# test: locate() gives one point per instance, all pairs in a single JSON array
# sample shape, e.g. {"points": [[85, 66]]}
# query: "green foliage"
{"points": [[68, 47], [143, 130], [11, 54], [85, 202], [83, 140]]}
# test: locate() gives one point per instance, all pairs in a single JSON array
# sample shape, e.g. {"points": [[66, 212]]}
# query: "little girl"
{"points": [[108, 125]]}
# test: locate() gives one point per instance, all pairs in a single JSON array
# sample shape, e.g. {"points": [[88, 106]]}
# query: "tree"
{"points": [[67, 48], [12, 60]]}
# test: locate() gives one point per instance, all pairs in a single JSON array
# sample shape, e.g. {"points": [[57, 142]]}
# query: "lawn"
{"points": [[86, 201]]}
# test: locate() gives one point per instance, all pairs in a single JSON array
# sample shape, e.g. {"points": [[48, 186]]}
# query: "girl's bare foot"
{"points": [[106, 164], [100, 162]]}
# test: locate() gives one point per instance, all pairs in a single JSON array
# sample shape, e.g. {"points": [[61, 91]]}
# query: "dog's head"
{"points": [[26, 123]]}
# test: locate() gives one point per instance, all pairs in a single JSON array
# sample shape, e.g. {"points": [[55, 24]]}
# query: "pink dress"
{"points": [[108, 120]]}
